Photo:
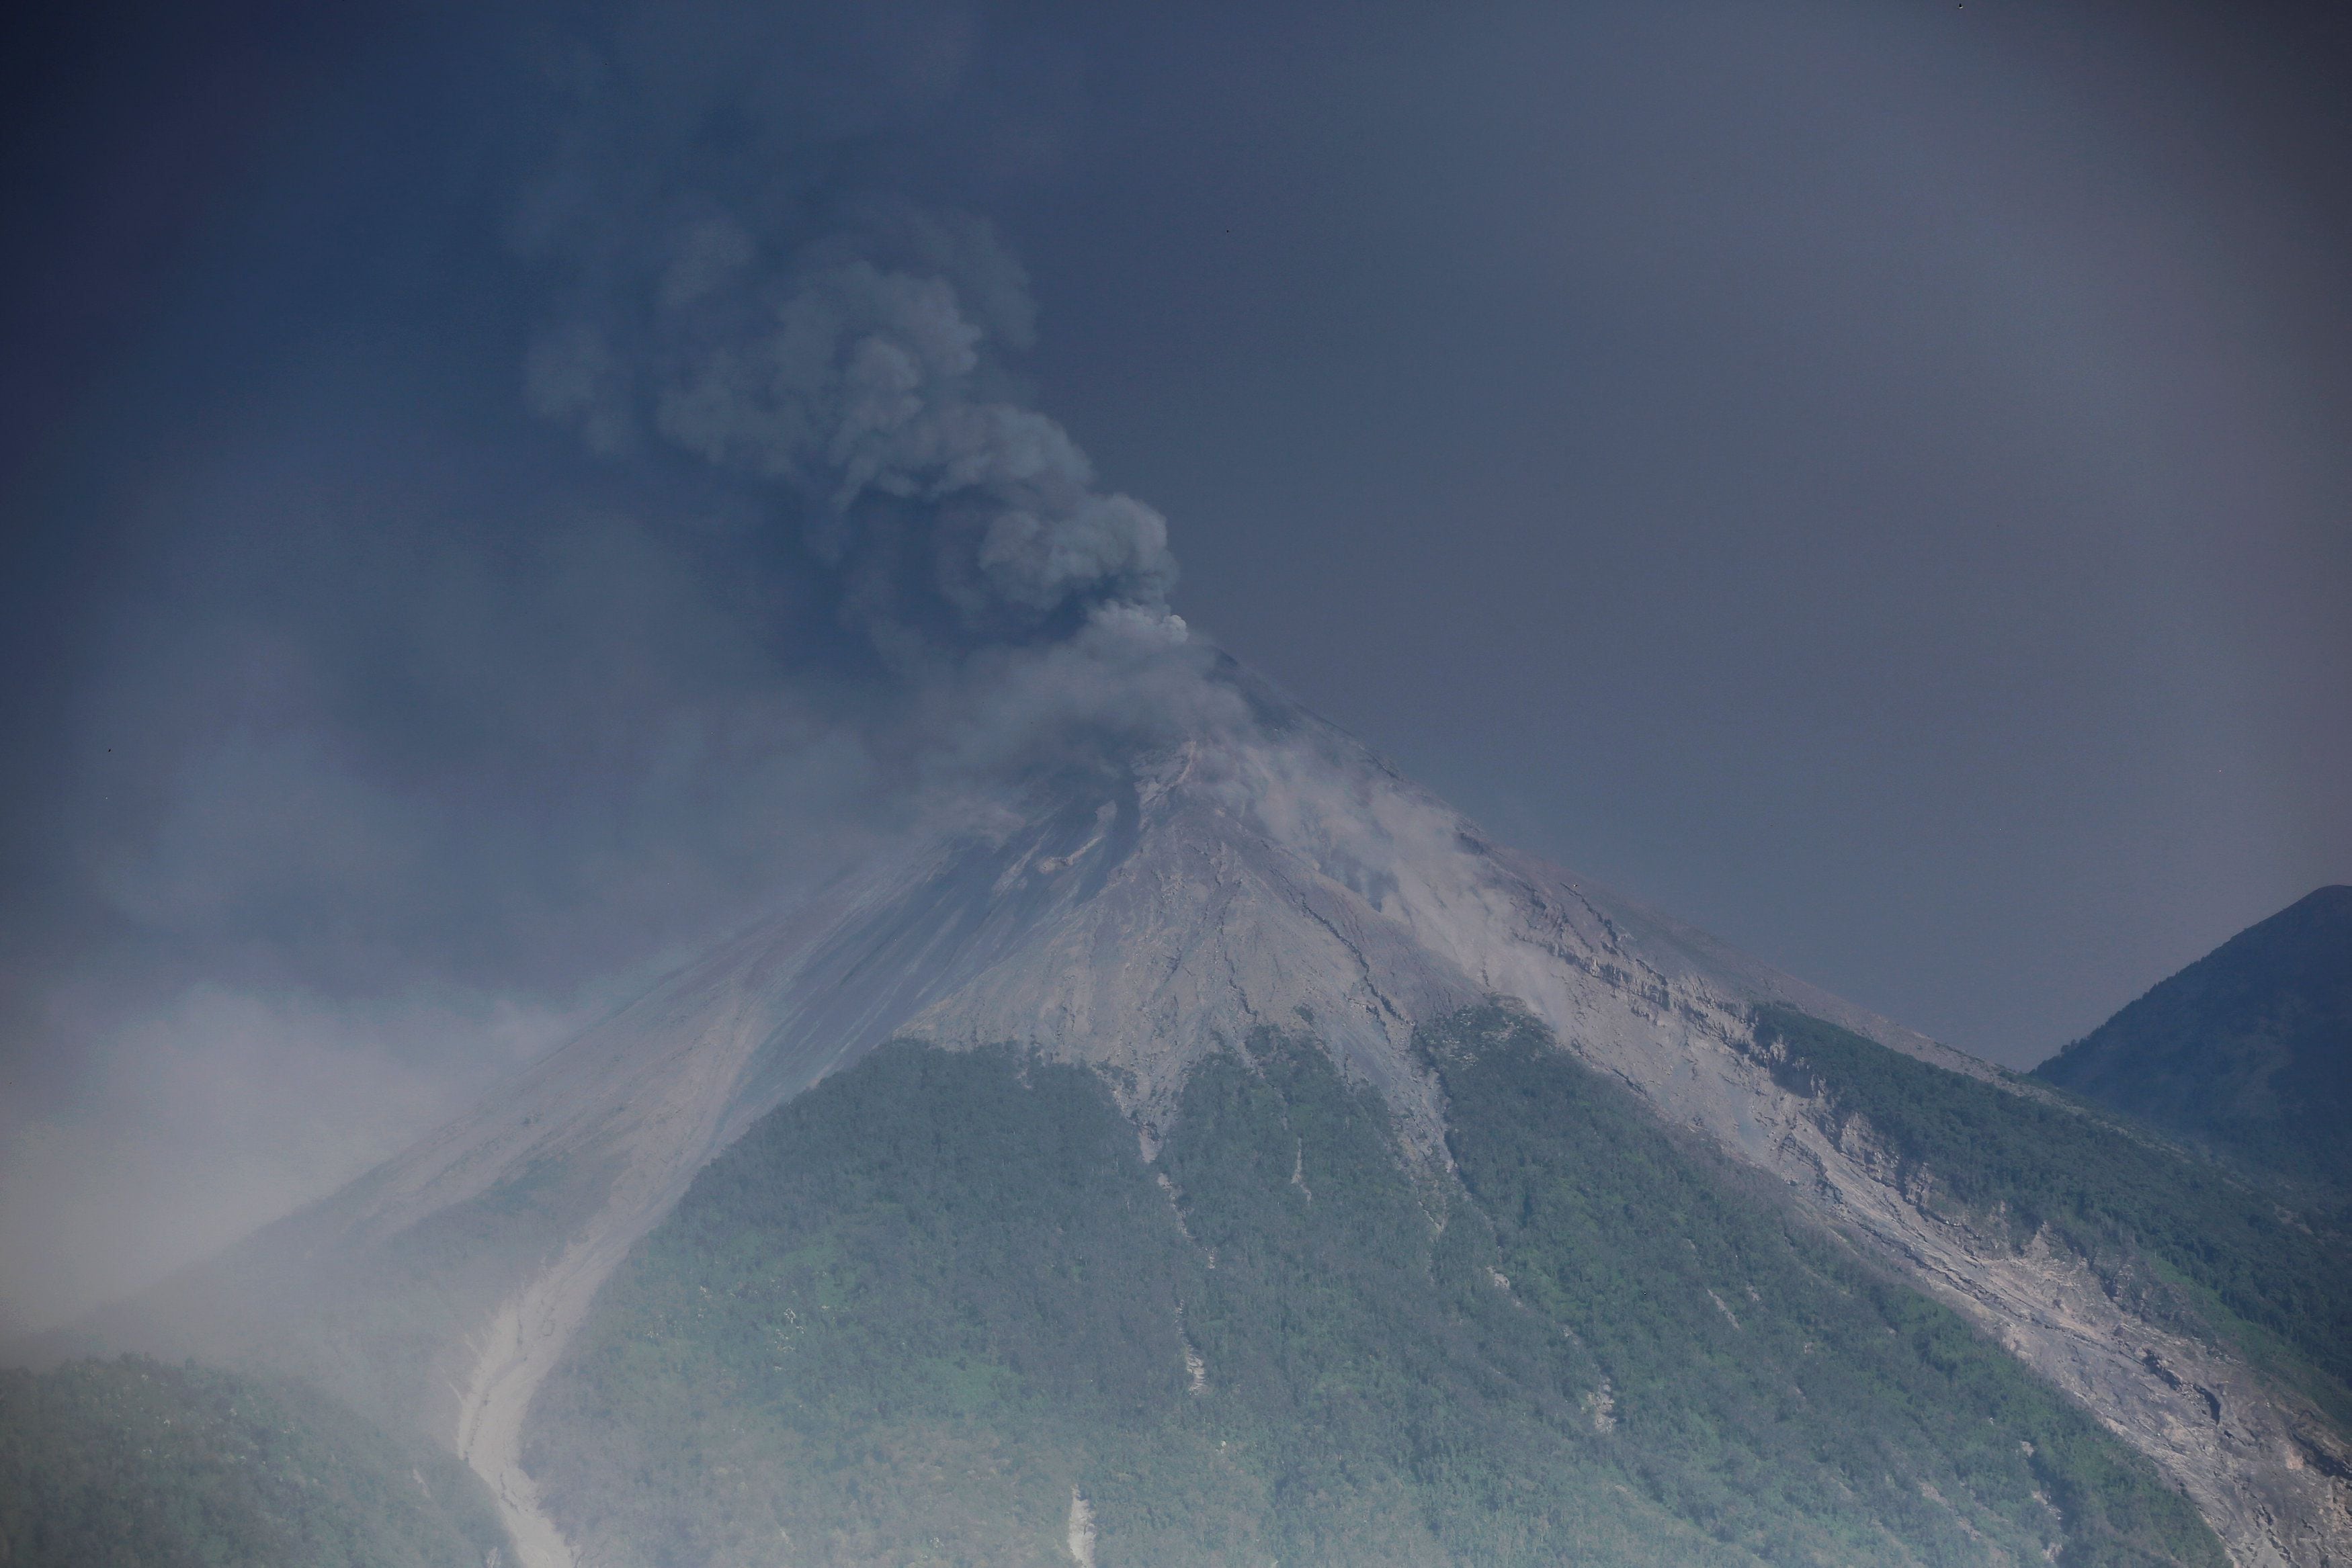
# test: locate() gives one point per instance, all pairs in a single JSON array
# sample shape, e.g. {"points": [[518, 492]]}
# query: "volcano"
{"points": [[1143, 947]]}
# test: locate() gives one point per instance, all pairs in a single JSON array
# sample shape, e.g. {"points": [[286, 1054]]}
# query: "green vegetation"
{"points": [[913, 1312], [1392, 1403], [2247, 1053], [135, 1464], [2184, 1240], [893, 1313], [1765, 1384]]}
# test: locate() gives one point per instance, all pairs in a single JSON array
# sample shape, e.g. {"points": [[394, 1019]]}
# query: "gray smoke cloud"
{"points": [[496, 491], [401, 748], [869, 392], [847, 354]]}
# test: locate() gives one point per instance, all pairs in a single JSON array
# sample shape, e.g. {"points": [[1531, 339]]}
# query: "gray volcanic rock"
{"points": [[1134, 921]]}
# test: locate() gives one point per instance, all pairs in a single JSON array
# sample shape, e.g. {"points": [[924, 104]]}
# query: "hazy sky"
{"points": [[1873, 479]]}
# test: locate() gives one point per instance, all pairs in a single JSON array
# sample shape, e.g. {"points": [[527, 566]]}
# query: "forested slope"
{"points": [[2185, 1242], [940, 1310], [2246, 1052], [135, 1464]]}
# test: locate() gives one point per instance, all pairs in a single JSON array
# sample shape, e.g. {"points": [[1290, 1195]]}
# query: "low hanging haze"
{"points": [[1872, 479]]}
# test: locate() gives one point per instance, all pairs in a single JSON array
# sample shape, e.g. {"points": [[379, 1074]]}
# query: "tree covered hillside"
{"points": [[2247, 1051], [135, 1464], [2188, 1241], [941, 1310]]}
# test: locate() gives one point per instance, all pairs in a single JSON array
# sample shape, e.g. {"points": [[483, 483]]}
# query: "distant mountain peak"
{"points": [[2247, 1051]]}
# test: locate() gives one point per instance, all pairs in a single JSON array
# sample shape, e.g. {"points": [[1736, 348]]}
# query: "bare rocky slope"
{"points": [[1134, 922]]}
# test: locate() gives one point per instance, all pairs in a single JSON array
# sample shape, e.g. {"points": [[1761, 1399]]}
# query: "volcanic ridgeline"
{"points": [[1212, 917]]}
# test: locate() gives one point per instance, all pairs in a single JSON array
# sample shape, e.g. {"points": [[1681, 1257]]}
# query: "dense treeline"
{"points": [[2213, 1251], [135, 1464], [941, 1310], [1770, 1382]]}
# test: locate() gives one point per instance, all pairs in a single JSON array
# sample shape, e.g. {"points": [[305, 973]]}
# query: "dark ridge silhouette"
{"points": [[2246, 1052]]}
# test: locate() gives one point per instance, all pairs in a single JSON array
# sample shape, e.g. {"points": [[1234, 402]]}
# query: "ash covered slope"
{"points": [[1134, 923], [1137, 922]]}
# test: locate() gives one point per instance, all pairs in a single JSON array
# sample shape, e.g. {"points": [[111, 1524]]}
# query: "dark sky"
{"points": [[1873, 479]]}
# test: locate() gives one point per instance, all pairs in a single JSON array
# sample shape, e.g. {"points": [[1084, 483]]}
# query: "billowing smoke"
{"points": [[401, 746], [396, 746], [846, 361], [952, 515]]}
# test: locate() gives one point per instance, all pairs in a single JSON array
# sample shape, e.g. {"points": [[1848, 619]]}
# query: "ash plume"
{"points": [[842, 356], [845, 356], [950, 514], [405, 752]]}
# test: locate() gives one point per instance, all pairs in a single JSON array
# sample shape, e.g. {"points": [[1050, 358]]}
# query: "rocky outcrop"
{"points": [[1667, 1010], [2266, 1469]]}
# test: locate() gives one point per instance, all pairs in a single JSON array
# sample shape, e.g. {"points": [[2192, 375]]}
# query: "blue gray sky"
{"points": [[1872, 479]]}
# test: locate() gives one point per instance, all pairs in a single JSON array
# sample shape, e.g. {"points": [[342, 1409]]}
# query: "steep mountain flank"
{"points": [[2247, 1051], [910, 1316], [2192, 1312], [1145, 923]]}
